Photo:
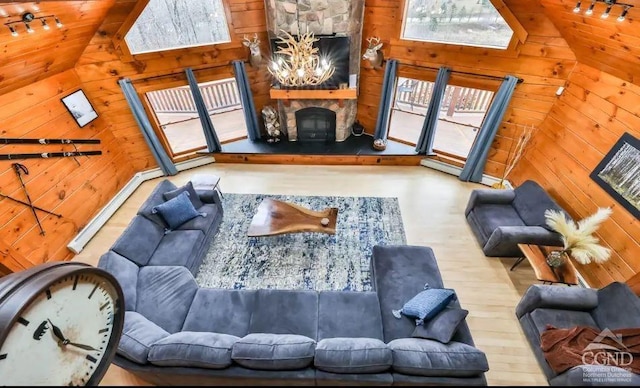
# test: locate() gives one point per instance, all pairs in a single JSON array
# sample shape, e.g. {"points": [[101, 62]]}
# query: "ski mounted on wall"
{"points": [[47, 155], [48, 141]]}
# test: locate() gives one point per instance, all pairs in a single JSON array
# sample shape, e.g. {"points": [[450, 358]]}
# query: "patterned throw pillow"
{"points": [[427, 304], [177, 211]]}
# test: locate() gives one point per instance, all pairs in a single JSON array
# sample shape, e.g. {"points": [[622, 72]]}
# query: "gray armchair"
{"points": [[613, 307], [502, 219]]}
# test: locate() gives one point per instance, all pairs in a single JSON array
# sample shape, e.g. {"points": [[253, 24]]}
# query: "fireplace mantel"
{"points": [[313, 94]]}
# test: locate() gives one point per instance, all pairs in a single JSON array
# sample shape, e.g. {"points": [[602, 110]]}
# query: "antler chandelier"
{"points": [[297, 62]]}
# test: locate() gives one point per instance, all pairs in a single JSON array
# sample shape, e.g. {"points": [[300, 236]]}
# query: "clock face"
{"points": [[61, 337]]}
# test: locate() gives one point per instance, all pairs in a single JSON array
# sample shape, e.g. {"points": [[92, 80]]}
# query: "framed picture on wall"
{"points": [[80, 108], [619, 173]]}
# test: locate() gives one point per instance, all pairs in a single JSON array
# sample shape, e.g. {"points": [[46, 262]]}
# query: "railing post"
{"points": [[454, 101]]}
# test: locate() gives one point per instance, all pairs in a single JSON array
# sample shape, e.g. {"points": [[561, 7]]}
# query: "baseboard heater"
{"points": [[76, 245], [487, 180]]}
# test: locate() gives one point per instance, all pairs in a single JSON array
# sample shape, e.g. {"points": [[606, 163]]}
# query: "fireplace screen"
{"points": [[316, 124]]}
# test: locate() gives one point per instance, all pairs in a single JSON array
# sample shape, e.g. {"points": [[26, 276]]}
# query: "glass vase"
{"points": [[556, 258]]}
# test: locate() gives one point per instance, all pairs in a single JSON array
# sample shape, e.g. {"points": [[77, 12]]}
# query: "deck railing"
{"points": [[456, 99], [218, 96]]}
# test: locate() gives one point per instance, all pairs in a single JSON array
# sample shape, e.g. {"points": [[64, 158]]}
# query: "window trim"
{"points": [[519, 36], [123, 51]]}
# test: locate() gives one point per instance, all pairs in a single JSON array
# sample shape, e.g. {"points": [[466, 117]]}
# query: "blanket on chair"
{"points": [[566, 348]]}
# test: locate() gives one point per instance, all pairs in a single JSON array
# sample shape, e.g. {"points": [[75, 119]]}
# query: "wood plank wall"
{"points": [[77, 191], [100, 67], [543, 61], [595, 109]]}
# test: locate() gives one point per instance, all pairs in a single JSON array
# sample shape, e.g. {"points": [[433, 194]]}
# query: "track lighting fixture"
{"points": [[610, 4], [26, 18], [623, 15]]}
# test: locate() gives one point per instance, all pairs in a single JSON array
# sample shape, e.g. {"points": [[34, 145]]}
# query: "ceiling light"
{"points": [[590, 10], [623, 15], [577, 8], [27, 18], [297, 62], [606, 13]]}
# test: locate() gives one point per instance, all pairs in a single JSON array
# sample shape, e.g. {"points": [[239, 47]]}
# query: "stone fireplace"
{"points": [[330, 18], [344, 116]]}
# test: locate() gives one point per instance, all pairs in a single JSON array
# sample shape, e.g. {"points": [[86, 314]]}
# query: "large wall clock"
{"points": [[60, 324]]}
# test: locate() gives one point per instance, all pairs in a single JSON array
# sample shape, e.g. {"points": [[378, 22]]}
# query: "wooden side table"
{"points": [[537, 257]]}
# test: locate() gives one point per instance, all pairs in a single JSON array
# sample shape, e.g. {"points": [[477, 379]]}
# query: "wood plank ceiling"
{"points": [[605, 44], [27, 58]]}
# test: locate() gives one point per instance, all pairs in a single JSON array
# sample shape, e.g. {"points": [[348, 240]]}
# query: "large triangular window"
{"points": [[461, 22], [172, 24]]}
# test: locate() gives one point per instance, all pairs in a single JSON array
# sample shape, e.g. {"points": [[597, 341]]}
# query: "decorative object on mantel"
{"points": [[297, 63], [271, 123], [516, 150], [28, 17], [373, 53], [619, 173], [255, 55], [578, 239]]}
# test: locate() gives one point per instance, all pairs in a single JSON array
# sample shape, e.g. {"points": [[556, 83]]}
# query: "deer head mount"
{"points": [[373, 53], [255, 56]]}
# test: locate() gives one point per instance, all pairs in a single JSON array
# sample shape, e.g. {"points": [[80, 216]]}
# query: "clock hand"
{"points": [[82, 346], [57, 332]]}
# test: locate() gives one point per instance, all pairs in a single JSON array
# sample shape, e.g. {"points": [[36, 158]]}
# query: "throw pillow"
{"points": [[426, 304], [177, 211], [443, 326], [193, 196]]}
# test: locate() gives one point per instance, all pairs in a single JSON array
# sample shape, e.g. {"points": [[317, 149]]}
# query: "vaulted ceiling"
{"points": [[27, 58], [605, 44]]}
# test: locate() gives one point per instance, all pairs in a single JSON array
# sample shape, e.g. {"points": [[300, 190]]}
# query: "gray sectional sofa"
{"points": [[177, 333], [612, 307]]}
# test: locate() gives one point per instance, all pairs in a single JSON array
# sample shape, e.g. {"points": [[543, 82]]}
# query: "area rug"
{"points": [[314, 261]]}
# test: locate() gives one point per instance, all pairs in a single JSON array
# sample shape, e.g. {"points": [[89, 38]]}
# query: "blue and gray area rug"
{"points": [[314, 261]]}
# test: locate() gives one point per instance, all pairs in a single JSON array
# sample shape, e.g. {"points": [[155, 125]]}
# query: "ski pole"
{"points": [[18, 168], [26, 204]]}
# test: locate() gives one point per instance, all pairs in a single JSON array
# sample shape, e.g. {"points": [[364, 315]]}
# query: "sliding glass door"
{"points": [[461, 114], [177, 117]]}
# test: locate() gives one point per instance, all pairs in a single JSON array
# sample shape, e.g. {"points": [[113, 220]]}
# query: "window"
{"points": [[461, 115], [172, 24], [461, 22], [176, 115]]}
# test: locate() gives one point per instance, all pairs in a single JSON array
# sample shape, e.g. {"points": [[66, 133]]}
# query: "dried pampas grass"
{"points": [[578, 238]]}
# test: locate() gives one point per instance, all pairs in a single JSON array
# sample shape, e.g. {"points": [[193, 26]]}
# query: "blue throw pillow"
{"points": [[193, 196], [443, 326], [177, 211], [427, 304]]}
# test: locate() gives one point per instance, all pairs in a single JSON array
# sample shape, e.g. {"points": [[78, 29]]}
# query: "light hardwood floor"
{"points": [[432, 205]]}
